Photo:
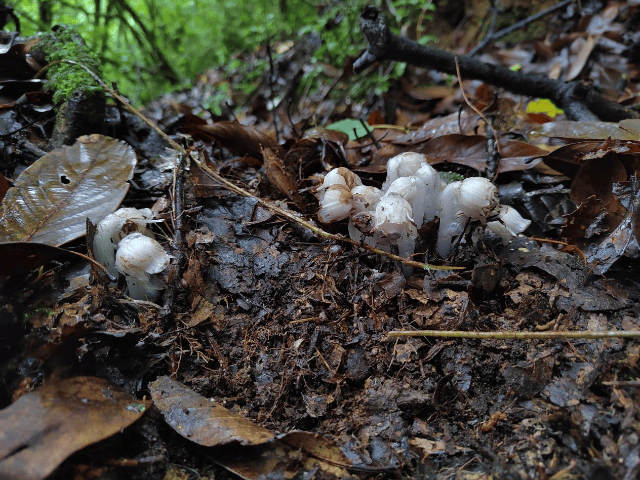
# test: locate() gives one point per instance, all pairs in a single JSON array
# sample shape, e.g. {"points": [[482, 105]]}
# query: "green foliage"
{"points": [[448, 177], [153, 46], [341, 39], [65, 79]]}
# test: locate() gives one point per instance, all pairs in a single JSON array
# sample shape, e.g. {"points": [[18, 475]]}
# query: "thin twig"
{"points": [[516, 26], [265, 203], [177, 245], [272, 75], [369, 133], [585, 334], [622, 383], [473, 107]]}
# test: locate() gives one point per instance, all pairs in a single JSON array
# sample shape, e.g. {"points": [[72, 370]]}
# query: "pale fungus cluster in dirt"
{"points": [[125, 244], [412, 195]]}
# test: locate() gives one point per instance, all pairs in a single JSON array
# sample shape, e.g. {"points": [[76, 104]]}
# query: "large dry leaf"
{"points": [[581, 59], [202, 421], [42, 428], [53, 197], [262, 453], [571, 130], [240, 139], [471, 150]]}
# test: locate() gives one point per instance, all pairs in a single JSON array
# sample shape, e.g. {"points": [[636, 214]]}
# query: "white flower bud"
{"points": [[338, 176], [113, 228], [403, 165], [394, 226], [452, 219], [412, 190], [139, 258], [365, 198], [478, 196], [336, 204], [509, 224], [433, 188]]}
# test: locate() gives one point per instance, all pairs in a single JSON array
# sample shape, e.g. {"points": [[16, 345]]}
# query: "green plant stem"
{"points": [[265, 203], [585, 334]]}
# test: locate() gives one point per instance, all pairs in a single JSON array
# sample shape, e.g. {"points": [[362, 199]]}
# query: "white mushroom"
{"points": [[394, 226], [140, 258], [113, 228], [509, 224]]}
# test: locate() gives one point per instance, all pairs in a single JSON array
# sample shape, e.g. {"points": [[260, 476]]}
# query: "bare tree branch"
{"points": [[579, 101]]}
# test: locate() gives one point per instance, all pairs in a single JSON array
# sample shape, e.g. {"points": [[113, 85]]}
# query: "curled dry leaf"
{"points": [[279, 178]]}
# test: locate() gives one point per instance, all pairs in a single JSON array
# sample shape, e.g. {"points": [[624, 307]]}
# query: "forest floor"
{"points": [[269, 355]]}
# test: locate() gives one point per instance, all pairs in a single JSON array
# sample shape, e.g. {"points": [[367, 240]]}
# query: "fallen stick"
{"points": [[579, 101], [585, 334]]}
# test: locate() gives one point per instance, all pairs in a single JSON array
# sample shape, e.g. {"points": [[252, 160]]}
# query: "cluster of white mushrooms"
{"points": [[124, 244], [413, 194]]}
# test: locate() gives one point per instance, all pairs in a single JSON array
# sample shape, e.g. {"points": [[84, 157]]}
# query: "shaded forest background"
{"points": [[150, 47]]}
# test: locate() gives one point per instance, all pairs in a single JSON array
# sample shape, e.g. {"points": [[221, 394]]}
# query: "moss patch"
{"points": [[65, 79]]}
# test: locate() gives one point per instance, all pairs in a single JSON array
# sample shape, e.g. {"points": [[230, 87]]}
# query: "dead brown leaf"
{"points": [[42, 428], [279, 178], [204, 422], [239, 139]]}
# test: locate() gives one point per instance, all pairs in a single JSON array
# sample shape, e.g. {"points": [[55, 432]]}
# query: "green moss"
{"points": [[449, 177], [66, 79]]}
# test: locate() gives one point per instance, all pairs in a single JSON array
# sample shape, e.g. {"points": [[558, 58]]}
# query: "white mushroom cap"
{"points": [[509, 224], [139, 258], [403, 165], [336, 204], [113, 228]]}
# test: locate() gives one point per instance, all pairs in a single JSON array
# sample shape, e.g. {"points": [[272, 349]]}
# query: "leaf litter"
{"points": [[276, 330]]}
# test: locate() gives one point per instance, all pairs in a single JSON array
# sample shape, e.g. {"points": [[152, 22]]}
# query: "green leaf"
{"points": [[352, 127]]}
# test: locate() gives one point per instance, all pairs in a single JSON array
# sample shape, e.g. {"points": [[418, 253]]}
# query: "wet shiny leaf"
{"points": [[52, 199]]}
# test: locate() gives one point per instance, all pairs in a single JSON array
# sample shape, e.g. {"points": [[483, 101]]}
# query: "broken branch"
{"points": [[579, 101]]}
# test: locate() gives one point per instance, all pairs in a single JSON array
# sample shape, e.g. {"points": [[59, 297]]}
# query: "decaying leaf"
{"points": [[280, 179], [42, 428], [53, 197], [470, 150], [19, 258], [204, 422], [240, 139]]}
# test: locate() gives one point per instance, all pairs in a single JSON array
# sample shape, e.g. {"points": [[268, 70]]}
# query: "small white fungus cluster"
{"points": [[124, 244], [412, 195]]}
